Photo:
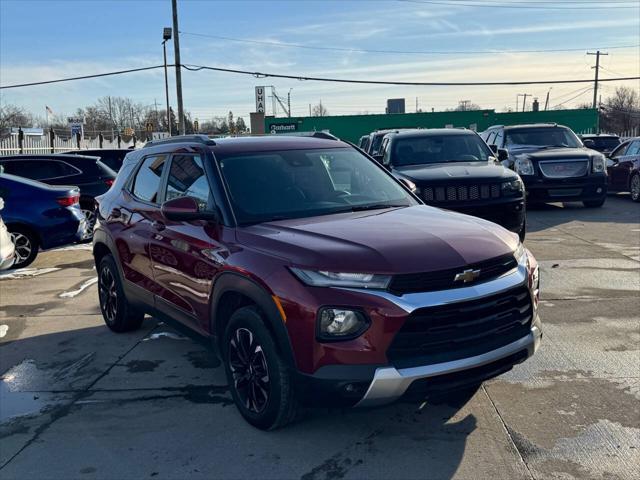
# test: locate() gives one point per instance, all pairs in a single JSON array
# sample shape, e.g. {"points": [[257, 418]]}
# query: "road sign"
{"points": [[260, 99]]}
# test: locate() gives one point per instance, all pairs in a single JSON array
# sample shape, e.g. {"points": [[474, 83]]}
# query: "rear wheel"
{"points": [[89, 214], [634, 185], [118, 313], [261, 383], [594, 203], [26, 246]]}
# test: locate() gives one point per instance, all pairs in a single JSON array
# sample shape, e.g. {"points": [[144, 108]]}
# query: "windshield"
{"points": [[439, 149], [304, 183], [542, 137]]}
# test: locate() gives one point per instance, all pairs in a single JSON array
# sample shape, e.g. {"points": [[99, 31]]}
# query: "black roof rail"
{"points": [[204, 139]]}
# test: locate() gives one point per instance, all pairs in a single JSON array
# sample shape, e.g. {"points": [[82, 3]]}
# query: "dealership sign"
{"points": [[260, 99], [283, 127]]}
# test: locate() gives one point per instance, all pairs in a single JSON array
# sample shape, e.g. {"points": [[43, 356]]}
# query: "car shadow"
{"points": [[48, 377]]}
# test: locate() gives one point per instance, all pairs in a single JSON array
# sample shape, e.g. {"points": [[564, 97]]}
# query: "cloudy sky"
{"points": [[43, 40]]}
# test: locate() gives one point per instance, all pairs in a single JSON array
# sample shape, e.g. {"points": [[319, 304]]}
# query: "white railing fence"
{"points": [[15, 144]]}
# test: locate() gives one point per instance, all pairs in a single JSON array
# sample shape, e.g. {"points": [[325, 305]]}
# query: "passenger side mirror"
{"points": [[589, 143], [494, 148], [185, 209]]}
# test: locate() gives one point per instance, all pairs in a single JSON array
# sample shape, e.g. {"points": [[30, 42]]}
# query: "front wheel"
{"points": [[594, 203], [26, 246], [118, 313], [634, 185], [260, 382]]}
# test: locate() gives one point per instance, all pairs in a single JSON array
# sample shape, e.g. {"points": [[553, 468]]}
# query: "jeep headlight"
{"points": [[598, 164], [321, 278], [524, 166], [513, 186]]}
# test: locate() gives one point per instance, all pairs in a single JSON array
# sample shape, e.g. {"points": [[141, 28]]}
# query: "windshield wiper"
{"points": [[374, 206]]}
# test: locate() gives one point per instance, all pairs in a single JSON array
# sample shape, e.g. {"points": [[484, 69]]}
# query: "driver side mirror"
{"points": [[185, 209]]}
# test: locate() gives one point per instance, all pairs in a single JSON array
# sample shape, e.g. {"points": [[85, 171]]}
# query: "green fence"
{"points": [[352, 127]]}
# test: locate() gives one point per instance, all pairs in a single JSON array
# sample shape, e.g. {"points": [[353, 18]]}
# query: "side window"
{"points": [[491, 137], [499, 140], [188, 179], [634, 148], [146, 183], [617, 153]]}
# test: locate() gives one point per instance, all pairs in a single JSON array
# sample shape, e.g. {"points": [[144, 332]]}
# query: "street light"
{"points": [[166, 35]]}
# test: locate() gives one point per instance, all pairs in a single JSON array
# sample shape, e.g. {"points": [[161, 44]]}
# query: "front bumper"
{"points": [[573, 189], [510, 215], [389, 383]]}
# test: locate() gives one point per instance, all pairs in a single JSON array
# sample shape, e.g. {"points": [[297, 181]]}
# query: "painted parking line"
{"points": [[80, 289]]}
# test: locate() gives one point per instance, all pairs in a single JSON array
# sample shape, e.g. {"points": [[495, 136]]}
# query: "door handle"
{"points": [[159, 226]]}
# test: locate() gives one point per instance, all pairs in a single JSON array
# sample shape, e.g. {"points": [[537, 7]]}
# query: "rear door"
{"points": [[136, 220], [185, 256]]}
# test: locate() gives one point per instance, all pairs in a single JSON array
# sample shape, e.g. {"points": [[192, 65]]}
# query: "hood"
{"points": [[555, 153], [459, 171], [400, 240]]}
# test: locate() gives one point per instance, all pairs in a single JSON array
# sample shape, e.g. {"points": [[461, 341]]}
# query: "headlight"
{"points": [[514, 186], [338, 279], [340, 324], [598, 164], [524, 166]]}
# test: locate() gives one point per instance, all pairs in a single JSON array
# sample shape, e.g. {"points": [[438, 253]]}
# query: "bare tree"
{"points": [[14, 116], [319, 110], [241, 127], [621, 112]]}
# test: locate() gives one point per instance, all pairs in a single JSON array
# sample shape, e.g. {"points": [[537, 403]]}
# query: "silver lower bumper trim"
{"points": [[389, 384]]}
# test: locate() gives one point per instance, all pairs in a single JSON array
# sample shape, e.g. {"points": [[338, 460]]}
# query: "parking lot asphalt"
{"points": [[77, 401]]}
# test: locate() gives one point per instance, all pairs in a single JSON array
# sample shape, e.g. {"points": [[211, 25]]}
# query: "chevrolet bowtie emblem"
{"points": [[467, 276]]}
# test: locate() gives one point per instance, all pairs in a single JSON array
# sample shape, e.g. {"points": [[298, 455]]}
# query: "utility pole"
{"points": [[546, 102], [524, 101], [176, 46], [289, 102], [166, 36], [597, 67]]}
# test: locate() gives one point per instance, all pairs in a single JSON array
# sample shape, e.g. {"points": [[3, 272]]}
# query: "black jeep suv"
{"points": [[454, 169], [554, 165]]}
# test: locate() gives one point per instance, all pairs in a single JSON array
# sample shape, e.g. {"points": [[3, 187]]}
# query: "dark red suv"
{"points": [[318, 278]]}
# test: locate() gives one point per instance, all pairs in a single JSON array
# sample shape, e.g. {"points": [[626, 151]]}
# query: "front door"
{"points": [[185, 256]]}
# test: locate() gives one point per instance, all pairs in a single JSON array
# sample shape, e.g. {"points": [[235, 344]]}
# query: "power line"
{"points": [[395, 52], [256, 74], [586, 90], [503, 5], [196, 68], [83, 77]]}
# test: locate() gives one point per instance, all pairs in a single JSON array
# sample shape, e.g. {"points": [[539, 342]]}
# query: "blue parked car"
{"points": [[40, 216]]}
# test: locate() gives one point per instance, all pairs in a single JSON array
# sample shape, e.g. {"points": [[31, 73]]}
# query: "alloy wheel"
{"points": [[23, 247], [635, 187], [248, 366], [90, 217], [108, 295]]}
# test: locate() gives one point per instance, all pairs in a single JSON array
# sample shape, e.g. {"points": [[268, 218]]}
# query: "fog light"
{"points": [[340, 324], [599, 190]]}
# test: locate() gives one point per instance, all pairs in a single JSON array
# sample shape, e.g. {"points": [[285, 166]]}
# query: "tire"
{"points": [[117, 312], [260, 382], [634, 187], [594, 203], [26, 246]]}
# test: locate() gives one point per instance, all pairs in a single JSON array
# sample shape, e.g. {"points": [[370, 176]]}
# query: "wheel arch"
{"points": [[232, 291]]}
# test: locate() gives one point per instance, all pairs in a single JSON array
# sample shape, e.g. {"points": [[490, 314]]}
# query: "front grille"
{"points": [[445, 279], [449, 332], [564, 168], [461, 193]]}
